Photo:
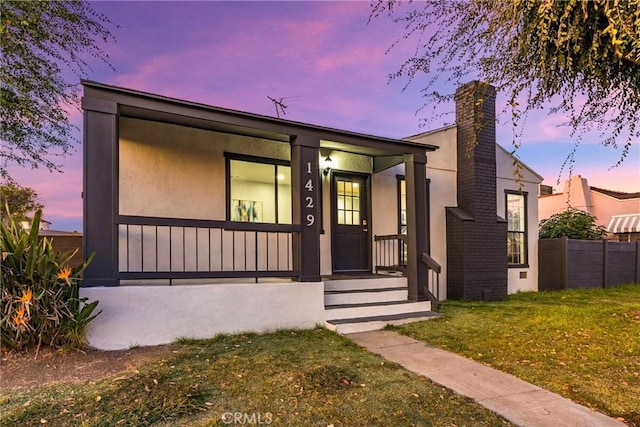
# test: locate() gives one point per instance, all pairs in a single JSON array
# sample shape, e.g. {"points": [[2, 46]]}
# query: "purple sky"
{"points": [[322, 57]]}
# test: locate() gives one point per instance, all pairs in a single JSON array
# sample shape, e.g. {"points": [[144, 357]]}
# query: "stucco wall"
{"points": [[152, 315], [384, 201], [604, 207], [175, 171]]}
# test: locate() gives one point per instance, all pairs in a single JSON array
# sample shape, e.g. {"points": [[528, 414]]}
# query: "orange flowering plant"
{"points": [[40, 303]]}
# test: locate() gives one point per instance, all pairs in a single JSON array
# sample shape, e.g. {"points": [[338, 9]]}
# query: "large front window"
{"points": [[259, 191], [517, 228]]}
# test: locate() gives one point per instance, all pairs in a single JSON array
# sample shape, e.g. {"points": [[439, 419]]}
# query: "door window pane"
{"points": [[348, 202]]}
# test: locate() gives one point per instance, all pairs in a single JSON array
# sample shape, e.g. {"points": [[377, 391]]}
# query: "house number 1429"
{"points": [[311, 219]]}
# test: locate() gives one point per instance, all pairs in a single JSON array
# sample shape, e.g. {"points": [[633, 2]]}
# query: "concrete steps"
{"points": [[359, 305]]}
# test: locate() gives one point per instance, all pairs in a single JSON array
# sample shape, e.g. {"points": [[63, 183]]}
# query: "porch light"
{"points": [[327, 166]]}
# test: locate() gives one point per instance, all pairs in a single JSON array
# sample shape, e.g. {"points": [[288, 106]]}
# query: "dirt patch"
{"points": [[23, 370]]}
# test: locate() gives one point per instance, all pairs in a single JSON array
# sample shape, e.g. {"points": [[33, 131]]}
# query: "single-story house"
{"points": [[207, 220]]}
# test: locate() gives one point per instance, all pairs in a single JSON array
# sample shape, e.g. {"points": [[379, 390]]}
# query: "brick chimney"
{"points": [[476, 236]]}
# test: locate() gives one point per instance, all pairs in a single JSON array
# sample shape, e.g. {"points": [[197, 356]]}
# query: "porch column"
{"points": [[99, 195], [305, 197], [417, 238]]}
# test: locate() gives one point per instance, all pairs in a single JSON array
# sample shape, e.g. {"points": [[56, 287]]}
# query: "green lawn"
{"points": [[582, 344], [289, 378]]}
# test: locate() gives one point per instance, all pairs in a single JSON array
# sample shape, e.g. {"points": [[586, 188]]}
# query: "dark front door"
{"points": [[350, 235]]}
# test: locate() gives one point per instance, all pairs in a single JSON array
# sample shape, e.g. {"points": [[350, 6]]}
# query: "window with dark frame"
{"points": [[402, 216], [402, 205], [402, 212], [258, 190], [516, 215]]}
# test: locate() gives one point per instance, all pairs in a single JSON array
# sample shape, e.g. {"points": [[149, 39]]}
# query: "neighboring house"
{"points": [[617, 211], [26, 224], [62, 241], [207, 220]]}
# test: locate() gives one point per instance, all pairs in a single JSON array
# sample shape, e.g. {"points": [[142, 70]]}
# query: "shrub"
{"points": [[573, 223], [40, 302]]}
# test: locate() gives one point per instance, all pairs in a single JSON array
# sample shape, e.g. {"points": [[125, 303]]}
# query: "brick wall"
{"points": [[476, 238]]}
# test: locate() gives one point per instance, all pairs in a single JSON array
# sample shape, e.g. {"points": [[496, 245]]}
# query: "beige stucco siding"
{"points": [[604, 207], [175, 171], [520, 278]]}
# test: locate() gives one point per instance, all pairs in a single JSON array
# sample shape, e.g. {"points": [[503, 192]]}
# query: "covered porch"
{"points": [[167, 202]]}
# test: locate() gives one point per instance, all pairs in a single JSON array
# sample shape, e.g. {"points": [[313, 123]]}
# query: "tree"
{"points": [[572, 223], [43, 42], [18, 201], [582, 56]]}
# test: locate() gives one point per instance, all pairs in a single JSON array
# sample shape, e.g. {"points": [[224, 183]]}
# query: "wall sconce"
{"points": [[327, 166]]}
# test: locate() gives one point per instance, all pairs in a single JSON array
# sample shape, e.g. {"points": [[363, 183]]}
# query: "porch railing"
{"points": [[391, 256], [170, 248], [391, 253]]}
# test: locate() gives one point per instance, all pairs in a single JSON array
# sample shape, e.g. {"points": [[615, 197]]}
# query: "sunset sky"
{"points": [[328, 63]]}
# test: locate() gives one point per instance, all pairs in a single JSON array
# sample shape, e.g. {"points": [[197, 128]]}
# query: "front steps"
{"points": [[359, 305]]}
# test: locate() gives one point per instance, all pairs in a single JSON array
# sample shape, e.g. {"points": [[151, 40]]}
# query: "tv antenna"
{"points": [[279, 104]]}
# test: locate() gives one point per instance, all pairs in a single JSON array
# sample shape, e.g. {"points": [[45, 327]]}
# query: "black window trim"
{"points": [[228, 157], [525, 195], [399, 179]]}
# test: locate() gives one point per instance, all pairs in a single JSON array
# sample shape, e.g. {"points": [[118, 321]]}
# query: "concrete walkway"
{"points": [[521, 403]]}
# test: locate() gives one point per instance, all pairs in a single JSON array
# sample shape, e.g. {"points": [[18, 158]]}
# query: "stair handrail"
{"points": [[432, 265]]}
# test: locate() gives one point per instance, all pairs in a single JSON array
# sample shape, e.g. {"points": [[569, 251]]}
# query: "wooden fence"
{"points": [[64, 243], [567, 263]]}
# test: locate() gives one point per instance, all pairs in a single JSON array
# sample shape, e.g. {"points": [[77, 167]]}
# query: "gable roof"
{"points": [[617, 194], [148, 106], [504, 150], [524, 165]]}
